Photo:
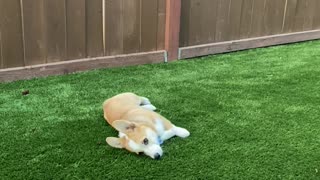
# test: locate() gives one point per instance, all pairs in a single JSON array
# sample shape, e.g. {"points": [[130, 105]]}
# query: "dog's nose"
{"points": [[157, 156]]}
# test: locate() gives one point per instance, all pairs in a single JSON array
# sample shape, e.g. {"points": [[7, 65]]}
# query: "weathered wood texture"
{"points": [[65, 67], [55, 32], [12, 51], [173, 9], [36, 32], [133, 26], [249, 43], [210, 21]]}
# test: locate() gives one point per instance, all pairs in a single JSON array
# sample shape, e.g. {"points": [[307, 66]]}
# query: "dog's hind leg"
{"points": [[145, 103]]}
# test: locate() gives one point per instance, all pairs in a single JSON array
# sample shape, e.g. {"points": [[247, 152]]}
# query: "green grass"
{"points": [[252, 115]]}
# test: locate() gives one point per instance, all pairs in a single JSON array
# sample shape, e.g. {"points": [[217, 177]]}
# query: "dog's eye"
{"points": [[145, 141]]}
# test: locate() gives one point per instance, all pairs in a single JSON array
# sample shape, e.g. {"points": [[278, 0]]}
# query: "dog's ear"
{"points": [[124, 126], [114, 142]]}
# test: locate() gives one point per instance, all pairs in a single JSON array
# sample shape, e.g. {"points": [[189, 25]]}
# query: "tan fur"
{"points": [[141, 130], [126, 106]]}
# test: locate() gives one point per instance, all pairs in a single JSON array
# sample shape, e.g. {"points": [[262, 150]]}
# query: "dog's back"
{"points": [[116, 107]]}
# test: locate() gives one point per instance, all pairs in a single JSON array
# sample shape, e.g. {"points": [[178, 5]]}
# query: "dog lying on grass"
{"points": [[141, 130]]}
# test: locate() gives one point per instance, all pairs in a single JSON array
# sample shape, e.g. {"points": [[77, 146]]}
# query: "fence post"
{"points": [[173, 13]]}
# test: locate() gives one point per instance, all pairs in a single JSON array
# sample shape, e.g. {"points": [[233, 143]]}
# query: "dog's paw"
{"points": [[149, 107], [145, 101], [181, 132]]}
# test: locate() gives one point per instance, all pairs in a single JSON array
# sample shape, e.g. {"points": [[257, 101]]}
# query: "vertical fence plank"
{"points": [[256, 28], [1, 61], [222, 23], [161, 24], [203, 26], [11, 34], [316, 16], [173, 10], [309, 13], [210, 21], [55, 12], [185, 23], [290, 16], [273, 16], [197, 29], [246, 18], [299, 16], [235, 19], [114, 27], [131, 26], [149, 23], [196, 23], [94, 28], [34, 32], [76, 29]]}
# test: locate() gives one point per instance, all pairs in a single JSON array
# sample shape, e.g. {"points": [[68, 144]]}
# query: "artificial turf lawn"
{"points": [[252, 115]]}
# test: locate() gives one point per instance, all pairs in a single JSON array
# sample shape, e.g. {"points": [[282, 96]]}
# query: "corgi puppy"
{"points": [[141, 130]]}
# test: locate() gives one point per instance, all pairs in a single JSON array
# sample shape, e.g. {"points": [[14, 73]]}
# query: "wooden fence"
{"points": [[44, 31], [46, 37], [209, 21]]}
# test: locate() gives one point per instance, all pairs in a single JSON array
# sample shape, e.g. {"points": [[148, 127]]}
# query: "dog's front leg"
{"points": [[175, 131], [167, 134], [181, 132]]}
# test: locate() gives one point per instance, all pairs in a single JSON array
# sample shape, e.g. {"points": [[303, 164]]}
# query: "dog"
{"points": [[141, 130]]}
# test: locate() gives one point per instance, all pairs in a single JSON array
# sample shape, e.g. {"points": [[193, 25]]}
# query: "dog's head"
{"points": [[136, 138]]}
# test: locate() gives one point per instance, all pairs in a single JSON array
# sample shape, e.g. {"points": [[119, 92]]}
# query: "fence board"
{"points": [[67, 67], [290, 16], [173, 9], [246, 18], [222, 23], [202, 26], [76, 29], [185, 23], [273, 16], [34, 28], [249, 43], [210, 7], [235, 19], [299, 16], [309, 13], [161, 24], [114, 27], [149, 25], [196, 22], [94, 28], [1, 61], [256, 28], [11, 34], [131, 26], [316, 17], [55, 12]]}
